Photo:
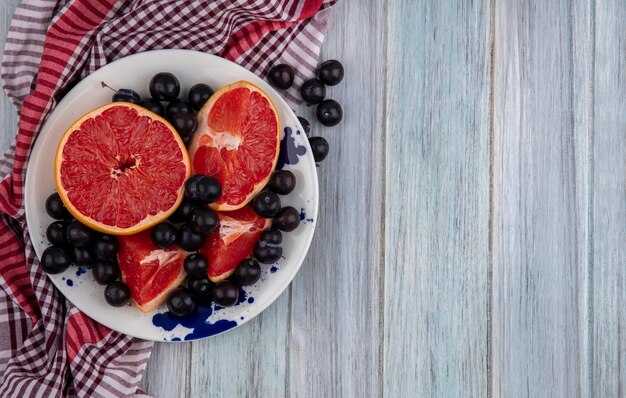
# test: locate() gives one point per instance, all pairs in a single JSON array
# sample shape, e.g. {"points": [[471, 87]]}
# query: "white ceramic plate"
{"points": [[77, 284]]}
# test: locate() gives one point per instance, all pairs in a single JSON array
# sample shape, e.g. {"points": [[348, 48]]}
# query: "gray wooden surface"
{"points": [[473, 215], [541, 128], [437, 200]]}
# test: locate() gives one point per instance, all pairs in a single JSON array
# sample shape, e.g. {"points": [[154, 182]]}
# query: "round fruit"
{"points": [[150, 272], [201, 288], [330, 72], [313, 91], [153, 106], [329, 113], [163, 235], [266, 204], [78, 234], [183, 212], [55, 233], [281, 76], [106, 271], [232, 241], [267, 253], [283, 182], [164, 86], [237, 142], [248, 272], [188, 239], [177, 107], [126, 95], [288, 219], [185, 123], [117, 294], [121, 169], [83, 255], [196, 264], [180, 302], [106, 246], [319, 147], [226, 294], [272, 236], [203, 189], [305, 125], [55, 260], [198, 95], [203, 220], [55, 207]]}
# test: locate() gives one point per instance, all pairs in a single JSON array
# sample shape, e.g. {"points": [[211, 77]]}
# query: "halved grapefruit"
{"points": [[120, 169], [149, 271], [232, 241], [237, 142]]}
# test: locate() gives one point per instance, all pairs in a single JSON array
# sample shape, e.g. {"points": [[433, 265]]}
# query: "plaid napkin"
{"points": [[47, 347]]}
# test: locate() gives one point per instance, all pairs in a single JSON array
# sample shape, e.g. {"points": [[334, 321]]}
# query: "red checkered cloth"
{"points": [[47, 347]]}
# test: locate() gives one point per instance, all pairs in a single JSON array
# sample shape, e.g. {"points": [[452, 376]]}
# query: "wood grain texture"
{"points": [[335, 340], [249, 361], [437, 199], [168, 372], [608, 343], [542, 65], [8, 115]]}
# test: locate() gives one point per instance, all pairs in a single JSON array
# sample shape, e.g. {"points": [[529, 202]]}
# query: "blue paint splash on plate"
{"points": [[273, 269], [290, 152], [243, 296], [80, 271], [198, 320], [210, 329], [69, 282], [303, 216]]}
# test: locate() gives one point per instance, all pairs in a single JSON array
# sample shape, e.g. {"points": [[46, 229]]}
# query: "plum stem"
{"points": [[103, 84]]}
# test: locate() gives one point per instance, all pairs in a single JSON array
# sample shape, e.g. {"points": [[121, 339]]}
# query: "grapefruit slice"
{"points": [[232, 241], [149, 271], [237, 142], [120, 169]]}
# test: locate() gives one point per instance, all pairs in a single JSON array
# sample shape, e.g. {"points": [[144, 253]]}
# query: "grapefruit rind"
{"points": [[149, 220], [161, 297], [203, 129]]}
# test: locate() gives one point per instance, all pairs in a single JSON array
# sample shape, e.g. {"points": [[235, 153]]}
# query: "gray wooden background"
{"points": [[473, 215]]}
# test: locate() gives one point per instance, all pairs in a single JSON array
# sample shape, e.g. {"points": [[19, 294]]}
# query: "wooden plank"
{"points": [[245, 362], [335, 345], [8, 115], [168, 371], [608, 343], [542, 64], [437, 201]]}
